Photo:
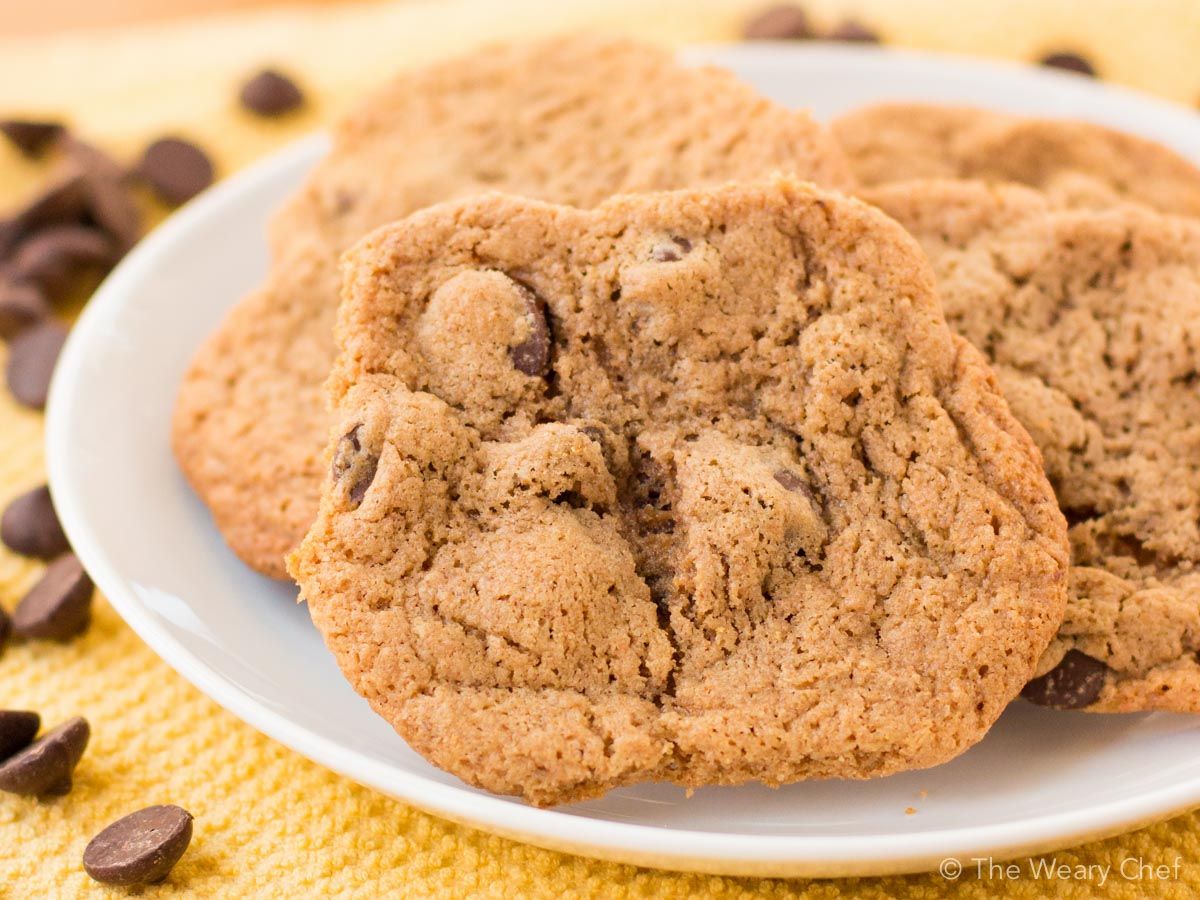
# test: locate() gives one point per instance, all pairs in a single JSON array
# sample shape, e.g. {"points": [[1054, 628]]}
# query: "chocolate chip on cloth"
{"points": [[30, 527], [46, 767], [32, 355], [63, 202], [86, 190], [778, 23], [21, 305], [176, 169], [1070, 62], [18, 728], [271, 93], [853, 32], [753, 514], [1090, 321], [50, 258], [109, 205], [59, 606], [140, 848], [30, 136]]}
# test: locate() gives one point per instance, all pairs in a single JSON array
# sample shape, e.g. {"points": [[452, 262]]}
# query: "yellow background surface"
{"points": [[268, 822]]}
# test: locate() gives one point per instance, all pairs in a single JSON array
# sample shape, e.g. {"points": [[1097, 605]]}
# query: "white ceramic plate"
{"points": [[1040, 780]]}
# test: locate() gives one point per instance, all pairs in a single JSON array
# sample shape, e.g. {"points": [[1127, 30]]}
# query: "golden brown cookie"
{"points": [[1079, 164], [571, 120], [1092, 322], [696, 486]]}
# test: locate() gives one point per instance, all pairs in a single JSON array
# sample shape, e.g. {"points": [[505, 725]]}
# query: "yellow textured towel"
{"points": [[268, 822]]}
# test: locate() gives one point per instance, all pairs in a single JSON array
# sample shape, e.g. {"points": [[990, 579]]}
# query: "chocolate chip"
{"points": [[790, 480], [1071, 62], [92, 160], [354, 467], [10, 233], [21, 305], [46, 765], [53, 256], [1074, 683], [671, 251], [18, 728], [532, 355], [778, 23], [5, 629], [64, 202], [604, 439], [177, 170], [59, 606], [113, 211], [853, 32], [31, 358], [29, 136], [140, 848], [108, 204], [30, 526], [271, 93]]}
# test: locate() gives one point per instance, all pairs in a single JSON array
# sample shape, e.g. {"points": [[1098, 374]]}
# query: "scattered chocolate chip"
{"points": [[91, 160], [18, 728], [176, 169], [108, 203], [671, 251], [354, 467], [10, 233], [53, 256], [21, 305], [46, 765], [64, 202], [271, 93], [5, 629], [778, 23], [140, 848], [1070, 62], [31, 358], [30, 526], [532, 355], [853, 32], [112, 209], [29, 136], [59, 606], [1074, 683]]}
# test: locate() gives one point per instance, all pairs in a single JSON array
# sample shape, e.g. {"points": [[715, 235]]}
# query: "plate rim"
{"points": [[732, 853]]}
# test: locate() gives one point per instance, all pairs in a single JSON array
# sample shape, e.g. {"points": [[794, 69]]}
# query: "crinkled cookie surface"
{"points": [[1078, 164], [1092, 322], [696, 486], [572, 120]]}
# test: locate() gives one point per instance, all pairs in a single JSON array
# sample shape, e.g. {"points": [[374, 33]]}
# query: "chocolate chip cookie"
{"points": [[695, 486], [1080, 164], [1092, 322], [572, 120]]}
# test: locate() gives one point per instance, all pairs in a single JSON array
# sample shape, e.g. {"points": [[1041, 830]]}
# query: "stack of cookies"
{"points": [[620, 425]]}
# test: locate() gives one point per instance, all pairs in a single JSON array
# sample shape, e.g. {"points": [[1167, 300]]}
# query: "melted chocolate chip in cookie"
{"points": [[671, 251], [532, 355], [354, 467], [1074, 683]]}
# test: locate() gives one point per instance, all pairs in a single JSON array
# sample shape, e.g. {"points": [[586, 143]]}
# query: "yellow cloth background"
{"points": [[268, 822]]}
